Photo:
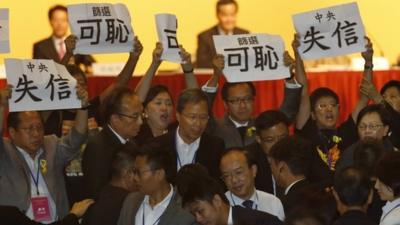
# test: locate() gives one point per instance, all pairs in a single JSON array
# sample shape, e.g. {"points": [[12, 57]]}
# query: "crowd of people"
{"points": [[149, 160]]}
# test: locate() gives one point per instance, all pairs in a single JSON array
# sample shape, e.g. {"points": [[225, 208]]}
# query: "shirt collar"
{"points": [[238, 124], [121, 139], [26, 154], [164, 203], [239, 201], [390, 205], [291, 185], [181, 142], [222, 32]]}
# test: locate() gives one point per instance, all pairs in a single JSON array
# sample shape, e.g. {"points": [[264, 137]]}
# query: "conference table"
{"points": [[269, 93]]}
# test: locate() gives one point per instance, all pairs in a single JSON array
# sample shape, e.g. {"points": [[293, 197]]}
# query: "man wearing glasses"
{"points": [[32, 164], [122, 112], [188, 143]]}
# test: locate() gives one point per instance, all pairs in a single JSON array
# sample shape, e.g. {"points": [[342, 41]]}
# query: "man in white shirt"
{"points": [[289, 160], [32, 164], [239, 169], [157, 202]]}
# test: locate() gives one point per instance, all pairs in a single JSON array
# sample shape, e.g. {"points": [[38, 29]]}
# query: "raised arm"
{"points": [[300, 74], [5, 94], [70, 43], [126, 74], [144, 84], [367, 75], [187, 67], [81, 119]]}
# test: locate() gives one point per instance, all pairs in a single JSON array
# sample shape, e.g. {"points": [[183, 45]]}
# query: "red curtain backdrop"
{"points": [[269, 93]]}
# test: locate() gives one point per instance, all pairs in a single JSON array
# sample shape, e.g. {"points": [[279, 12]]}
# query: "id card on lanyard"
{"points": [[40, 203]]}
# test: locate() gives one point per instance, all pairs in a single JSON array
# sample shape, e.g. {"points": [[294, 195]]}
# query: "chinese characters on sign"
{"points": [[252, 57], [330, 31], [40, 85], [167, 26], [101, 28], [4, 31]]}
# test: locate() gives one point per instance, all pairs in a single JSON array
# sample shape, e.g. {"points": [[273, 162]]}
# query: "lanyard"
{"points": [[397, 206], [158, 220], [179, 158], [35, 180], [256, 203]]}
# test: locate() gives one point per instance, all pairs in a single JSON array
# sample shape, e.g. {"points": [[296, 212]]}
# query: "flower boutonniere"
{"points": [[250, 131], [43, 166], [336, 139]]}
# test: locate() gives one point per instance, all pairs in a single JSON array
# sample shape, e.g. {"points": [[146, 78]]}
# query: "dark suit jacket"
{"points": [[97, 158], [244, 216], [354, 217], [45, 49], [263, 181], [292, 198], [10, 215], [173, 214], [205, 46], [107, 207], [208, 153]]}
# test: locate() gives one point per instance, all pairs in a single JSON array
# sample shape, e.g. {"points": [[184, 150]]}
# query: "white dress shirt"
{"points": [[33, 166], [262, 201], [230, 218], [391, 213], [121, 139], [186, 153], [58, 44], [152, 214], [291, 185]]}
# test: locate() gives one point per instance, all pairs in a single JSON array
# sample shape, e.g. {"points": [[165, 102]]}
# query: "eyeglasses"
{"points": [[32, 129], [135, 116], [239, 173], [373, 127], [324, 106], [238, 101], [194, 117]]}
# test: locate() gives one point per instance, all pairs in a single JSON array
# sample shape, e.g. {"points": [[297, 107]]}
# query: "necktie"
{"points": [[61, 51], [242, 132], [248, 204]]}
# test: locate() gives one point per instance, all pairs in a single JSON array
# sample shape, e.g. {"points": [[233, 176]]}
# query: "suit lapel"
{"points": [[171, 211]]}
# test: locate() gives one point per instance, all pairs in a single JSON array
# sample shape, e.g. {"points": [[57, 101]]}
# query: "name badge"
{"points": [[40, 208]]}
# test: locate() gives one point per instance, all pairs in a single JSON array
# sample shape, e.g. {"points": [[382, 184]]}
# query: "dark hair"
{"points": [[270, 118], [153, 92], [13, 119], [387, 171], [353, 186], [250, 158], [226, 2], [188, 174], [375, 108], [228, 85], [123, 160], [191, 95], [203, 189], [74, 70], [55, 8], [367, 153], [158, 158], [112, 103], [295, 152], [304, 217], [389, 84], [322, 92]]}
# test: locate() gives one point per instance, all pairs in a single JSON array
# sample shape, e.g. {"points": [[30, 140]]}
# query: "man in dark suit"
{"points": [[226, 13], [122, 112], [352, 190], [208, 203], [53, 47], [188, 143], [156, 202]]}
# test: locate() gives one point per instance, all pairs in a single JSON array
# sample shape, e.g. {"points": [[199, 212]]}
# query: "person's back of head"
{"points": [[353, 188], [387, 172], [189, 174], [304, 217], [367, 153], [122, 169]]}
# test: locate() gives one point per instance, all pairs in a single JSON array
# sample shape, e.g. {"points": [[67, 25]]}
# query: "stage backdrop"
{"points": [[29, 23]]}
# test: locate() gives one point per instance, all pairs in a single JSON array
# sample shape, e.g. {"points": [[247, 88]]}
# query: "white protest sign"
{"points": [[4, 31], [167, 26], [101, 28], [330, 31], [40, 84], [252, 57]]}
